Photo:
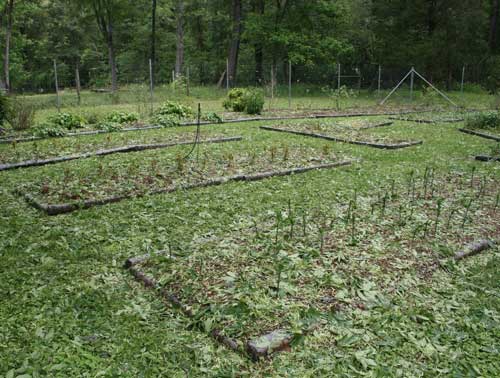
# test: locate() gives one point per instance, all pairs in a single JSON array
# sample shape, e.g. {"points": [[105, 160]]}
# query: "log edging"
{"points": [[480, 134], [343, 140], [428, 121], [206, 123], [486, 158], [63, 208], [125, 149]]}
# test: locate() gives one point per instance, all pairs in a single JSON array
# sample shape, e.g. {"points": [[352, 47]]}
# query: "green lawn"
{"points": [[69, 308]]}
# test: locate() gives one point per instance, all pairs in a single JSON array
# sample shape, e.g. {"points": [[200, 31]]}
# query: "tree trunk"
{"points": [[494, 25], [179, 56], [153, 38], [6, 56], [112, 60], [234, 49], [259, 54]]}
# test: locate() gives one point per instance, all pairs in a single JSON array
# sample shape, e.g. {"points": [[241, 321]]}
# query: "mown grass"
{"points": [[69, 309]]}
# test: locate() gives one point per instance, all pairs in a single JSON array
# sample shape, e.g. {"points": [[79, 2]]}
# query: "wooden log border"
{"points": [[217, 334], [487, 158], [474, 248], [125, 149], [253, 119], [480, 134], [57, 209], [428, 121], [343, 140]]}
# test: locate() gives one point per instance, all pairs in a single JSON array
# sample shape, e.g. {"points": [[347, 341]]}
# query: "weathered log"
{"points": [[140, 276], [382, 124], [58, 209], [416, 120], [268, 344], [126, 149], [487, 158], [474, 248], [480, 134], [343, 140]]}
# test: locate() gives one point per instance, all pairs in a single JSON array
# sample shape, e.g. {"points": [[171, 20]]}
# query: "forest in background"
{"points": [[112, 41]]}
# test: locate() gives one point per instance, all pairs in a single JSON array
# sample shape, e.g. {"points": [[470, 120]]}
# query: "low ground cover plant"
{"points": [[484, 121]]}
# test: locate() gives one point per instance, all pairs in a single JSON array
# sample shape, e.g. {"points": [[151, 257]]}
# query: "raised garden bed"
{"points": [[374, 144], [94, 183], [266, 285], [125, 149], [311, 115], [480, 134]]}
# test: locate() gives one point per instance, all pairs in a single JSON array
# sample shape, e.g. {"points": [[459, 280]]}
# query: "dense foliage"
{"points": [[437, 37]]}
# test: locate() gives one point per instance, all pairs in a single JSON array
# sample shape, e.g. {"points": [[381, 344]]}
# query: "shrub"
{"points": [[250, 101], [167, 120], [4, 108], [122, 118], [234, 100], [490, 120], [67, 121], [46, 130], [21, 116], [171, 108], [254, 101]]}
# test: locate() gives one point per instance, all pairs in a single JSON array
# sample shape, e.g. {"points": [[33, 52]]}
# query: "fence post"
{"points": [[338, 76], [290, 84], [187, 81], [412, 80], [463, 79], [57, 87], [227, 75], [151, 84], [78, 85], [379, 78]]}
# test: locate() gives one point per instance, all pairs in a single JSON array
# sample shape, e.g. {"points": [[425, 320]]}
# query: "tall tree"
{"points": [[179, 55], [495, 8], [234, 48], [8, 36], [259, 9], [104, 11]]}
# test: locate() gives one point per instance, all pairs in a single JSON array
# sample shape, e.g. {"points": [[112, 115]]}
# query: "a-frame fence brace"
{"points": [[412, 74]]}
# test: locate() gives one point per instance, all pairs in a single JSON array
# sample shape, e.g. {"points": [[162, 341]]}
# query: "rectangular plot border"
{"points": [[427, 121], [480, 134], [57, 209], [252, 348], [343, 140], [126, 149]]}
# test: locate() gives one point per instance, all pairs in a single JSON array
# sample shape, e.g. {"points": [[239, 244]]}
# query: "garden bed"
{"points": [[96, 184], [353, 138], [269, 284], [125, 149]]}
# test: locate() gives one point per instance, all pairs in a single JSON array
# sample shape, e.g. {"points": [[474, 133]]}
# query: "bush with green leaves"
{"points": [[167, 120], [250, 101], [176, 109], [68, 121], [490, 120], [122, 118], [46, 130], [338, 94], [21, 116], [234, 100], [110, 126], [4, 108]]}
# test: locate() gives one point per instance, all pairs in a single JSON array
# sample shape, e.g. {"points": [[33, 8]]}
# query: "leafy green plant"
{"points": [[250, 101], [339, 94], [68, 121], [122, 118], [212, 117], [170, 108], [110, 126], [165, 120], [490, 120], [46, 130]]}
